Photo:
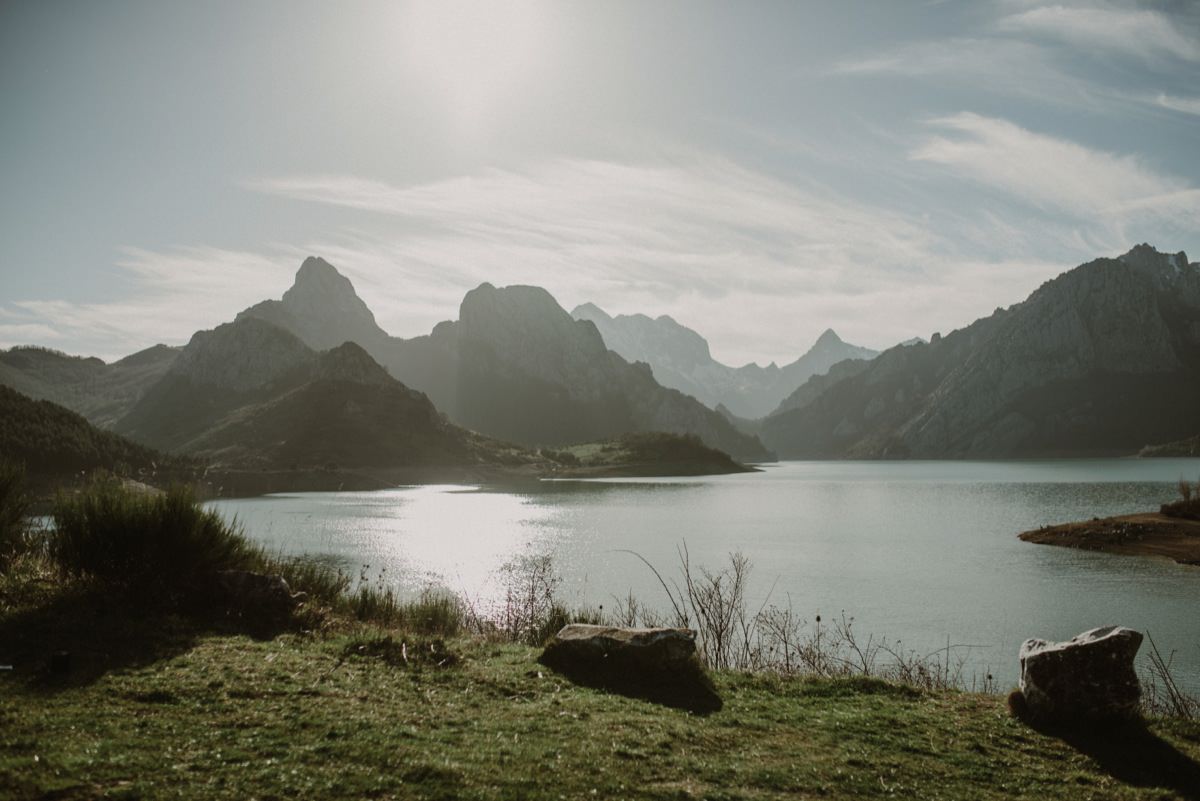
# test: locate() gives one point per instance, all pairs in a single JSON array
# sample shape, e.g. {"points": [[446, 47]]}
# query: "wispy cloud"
{"points": [[27, 333], [1144, 33], [1048, 171], [693, 238], [1186, 105], [173, 294]]}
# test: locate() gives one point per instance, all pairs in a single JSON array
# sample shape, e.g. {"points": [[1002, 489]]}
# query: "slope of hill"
{"points": [[680, 359], [514, 366], [1101, 360], [249, 393], [100, 392], [57, 444], [217, 372], [341, 409]]}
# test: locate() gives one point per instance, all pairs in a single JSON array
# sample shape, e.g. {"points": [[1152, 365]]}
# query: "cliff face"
{"points": [[680, 359], [1101, 360]]}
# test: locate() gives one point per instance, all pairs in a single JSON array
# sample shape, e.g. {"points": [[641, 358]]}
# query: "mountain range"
{"points": [[1102, 360], [515, 365], [680, 358]]}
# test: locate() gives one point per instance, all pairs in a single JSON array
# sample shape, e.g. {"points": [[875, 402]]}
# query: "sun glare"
{"points": [[472, 54]]}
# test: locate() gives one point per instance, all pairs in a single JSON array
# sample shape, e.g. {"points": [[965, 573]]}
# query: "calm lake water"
{"points": [[921, 552]]}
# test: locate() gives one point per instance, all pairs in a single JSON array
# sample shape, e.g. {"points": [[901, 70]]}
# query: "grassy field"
{"points": [[170, 706]]}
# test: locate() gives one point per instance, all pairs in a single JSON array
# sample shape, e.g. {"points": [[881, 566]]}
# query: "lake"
{"points": [[921, 552]]}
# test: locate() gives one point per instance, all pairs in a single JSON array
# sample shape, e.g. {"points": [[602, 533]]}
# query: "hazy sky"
{"points": [[759, 171]]}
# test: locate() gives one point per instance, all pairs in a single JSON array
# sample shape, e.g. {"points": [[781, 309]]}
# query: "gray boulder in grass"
{"points": [[657, 664], [1089, 678]]}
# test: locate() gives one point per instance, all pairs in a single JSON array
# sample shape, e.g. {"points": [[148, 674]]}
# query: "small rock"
{"points": [[1088, 678]]}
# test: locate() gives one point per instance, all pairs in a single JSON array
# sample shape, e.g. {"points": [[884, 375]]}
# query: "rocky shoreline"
{"points": [[1148, 534]]}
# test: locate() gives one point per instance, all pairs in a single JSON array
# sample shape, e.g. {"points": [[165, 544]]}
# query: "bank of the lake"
{"points": [[1149, 534], [211, 714]]}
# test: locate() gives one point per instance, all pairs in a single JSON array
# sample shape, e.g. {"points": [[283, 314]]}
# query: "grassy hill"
{"points": [[53, 442]]}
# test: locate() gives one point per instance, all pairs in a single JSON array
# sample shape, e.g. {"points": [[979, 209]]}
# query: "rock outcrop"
{"points": [[1089, 678], [659, 664]]}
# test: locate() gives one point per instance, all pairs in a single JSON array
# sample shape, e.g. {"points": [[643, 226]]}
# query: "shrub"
{"points": [[313, 576], [14, 508], [433, 613], [1188, 507], [157, 544]]}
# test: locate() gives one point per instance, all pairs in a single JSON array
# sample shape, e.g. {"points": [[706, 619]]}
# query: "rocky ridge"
{"points": [[1101, 360], [681, 359]]}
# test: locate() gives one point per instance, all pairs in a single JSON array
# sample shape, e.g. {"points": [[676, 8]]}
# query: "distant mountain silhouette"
{"points": [[101, 392], [680, 359], [514, 366], [1101, 360]]}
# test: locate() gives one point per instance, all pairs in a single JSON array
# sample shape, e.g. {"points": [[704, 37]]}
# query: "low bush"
{"points": [[151, 543], [1188, 505], [315, 577]]}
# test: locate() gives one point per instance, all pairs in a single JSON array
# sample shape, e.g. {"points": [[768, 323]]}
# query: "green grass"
{"points": [[158, 706]]}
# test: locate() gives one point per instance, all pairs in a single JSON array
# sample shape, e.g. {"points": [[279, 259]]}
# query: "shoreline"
{"points": [[1145, 534]]}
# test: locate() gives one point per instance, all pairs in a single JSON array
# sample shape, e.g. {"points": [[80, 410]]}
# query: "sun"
{"points": [[474, 55]]}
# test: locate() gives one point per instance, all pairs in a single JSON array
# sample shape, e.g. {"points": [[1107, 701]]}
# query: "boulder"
{"points": [[1089, 678], [582, 646], [248, 591], [658, 664]]}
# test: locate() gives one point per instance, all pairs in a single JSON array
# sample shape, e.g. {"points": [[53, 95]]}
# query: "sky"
{"points": [[759, 171]]}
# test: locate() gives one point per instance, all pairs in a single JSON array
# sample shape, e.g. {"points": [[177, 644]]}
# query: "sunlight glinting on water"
{"points": [[455, 537]]}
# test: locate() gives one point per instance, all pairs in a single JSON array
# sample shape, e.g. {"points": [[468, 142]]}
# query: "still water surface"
{"points": [[921, 552]]}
